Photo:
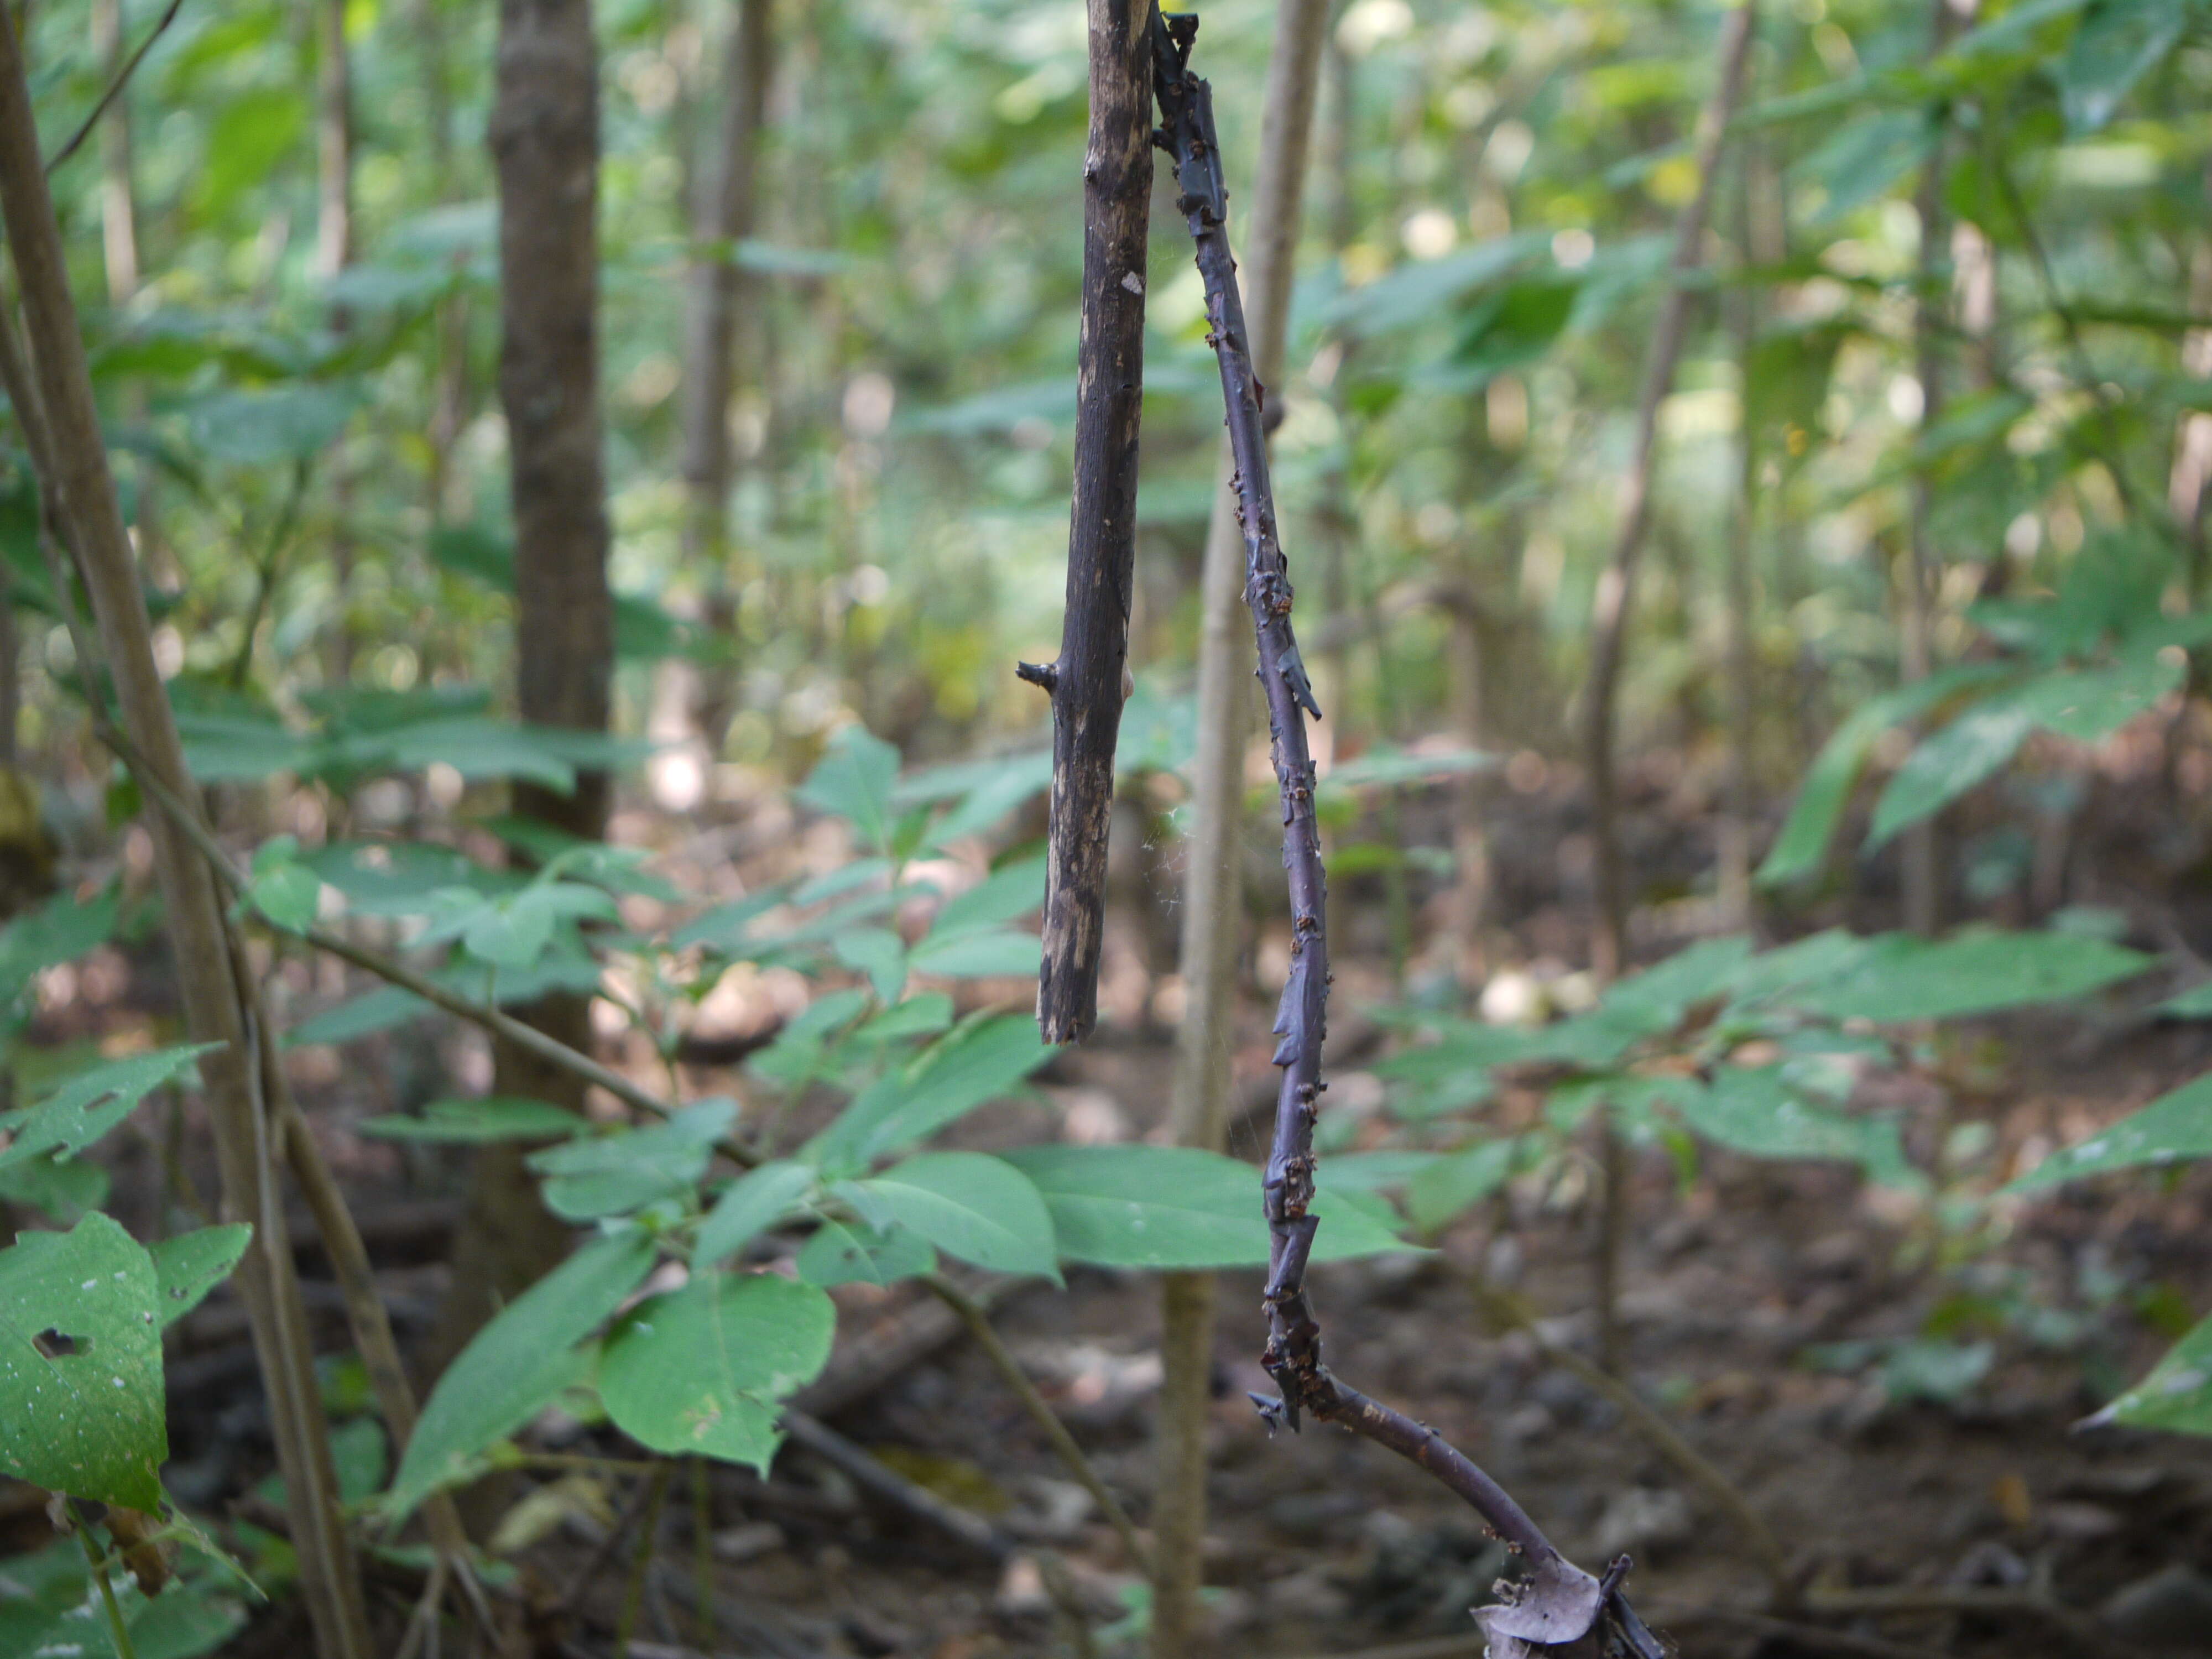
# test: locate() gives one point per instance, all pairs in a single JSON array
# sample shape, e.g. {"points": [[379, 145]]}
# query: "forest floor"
{"points": [[1744, 1286]]}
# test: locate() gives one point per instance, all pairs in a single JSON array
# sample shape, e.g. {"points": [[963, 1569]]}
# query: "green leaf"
{"points": [[976, 1062], [1003, 896], [854, 780], [2085, 705], [838, 1255], [613, 1174], [2118, 43], [1865, 158], [2089, 705], [475, 1122], [877, 952], [189, 1265], [2176, 1126], [1451, 1186], [516, 1366], [1516, 325], [1176, 1207], [703, 1371], [244, 142], [92, 1102], [1940, 768], [1898, 978], [47, 1608], [1755, 1111], [2177, 1395], [278, 423], [90, 1421], [749, 1206], [986, 953], [63, 1189], [283, 889], [1803, 847], [2194, 1003], [972, 1206], [61, 930]]}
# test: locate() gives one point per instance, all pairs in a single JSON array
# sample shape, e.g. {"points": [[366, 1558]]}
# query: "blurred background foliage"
{"points": [[1492, 193]]}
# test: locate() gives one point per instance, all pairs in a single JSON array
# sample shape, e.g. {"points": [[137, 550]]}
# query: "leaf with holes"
{"points": [[187, 1266], [92, 1102], [81, 1401], [704, 1371]]}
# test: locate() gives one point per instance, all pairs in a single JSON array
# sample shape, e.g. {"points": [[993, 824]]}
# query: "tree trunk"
{"points": [[333, 252], [1616, 585], [1740, 597], [1211, 907], [75, 468], [1921, 875], [720, 292], [2192, 438], [544, 139], [1608, 630], [1088, 684], [691, 704]]}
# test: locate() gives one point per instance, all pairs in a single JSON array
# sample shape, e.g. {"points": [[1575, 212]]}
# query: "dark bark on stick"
{"points": [[1616, 589], [1213, 913], [1558, 1602], [544, 138], [1088, 682], [52, 395]]}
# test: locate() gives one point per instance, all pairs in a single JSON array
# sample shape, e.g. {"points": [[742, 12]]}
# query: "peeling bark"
{"points": [[1090, 681]]}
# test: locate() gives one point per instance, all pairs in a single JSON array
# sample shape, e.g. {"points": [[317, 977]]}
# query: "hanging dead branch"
{"points": [[1089, 682], [1558, 1602]]}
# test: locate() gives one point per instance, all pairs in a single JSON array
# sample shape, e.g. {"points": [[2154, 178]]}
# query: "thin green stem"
{"points": [[633, 1592], [98, 1564], [703, 1552]]}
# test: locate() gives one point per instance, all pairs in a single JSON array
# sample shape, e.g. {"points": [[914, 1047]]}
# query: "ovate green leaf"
{"points": [[703, 1371]]}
